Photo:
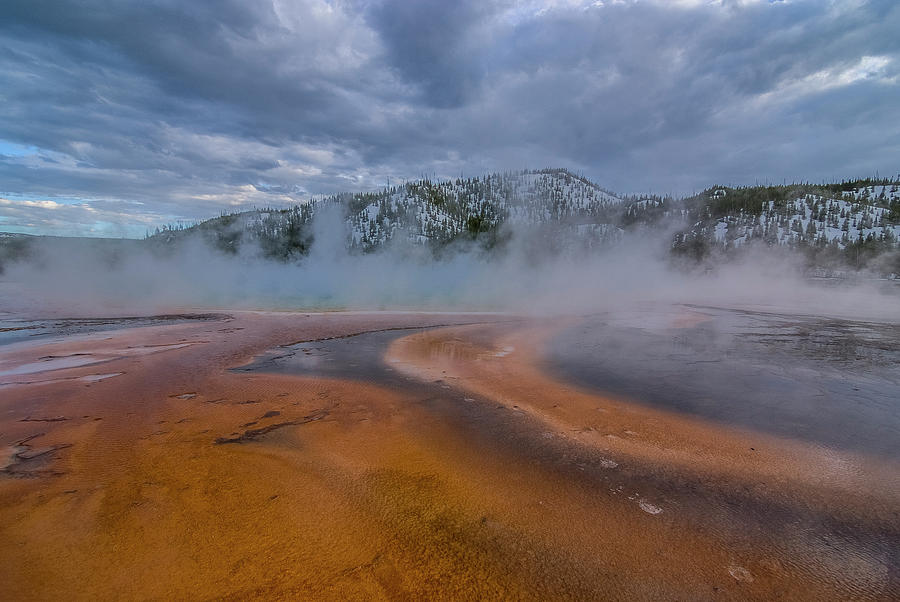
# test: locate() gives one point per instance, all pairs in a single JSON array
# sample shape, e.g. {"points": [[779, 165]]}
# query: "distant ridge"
{"points": [[850, 225]]}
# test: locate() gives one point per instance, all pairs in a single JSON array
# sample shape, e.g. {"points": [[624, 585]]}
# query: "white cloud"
{"points": [[40, 204], [867, 68]]}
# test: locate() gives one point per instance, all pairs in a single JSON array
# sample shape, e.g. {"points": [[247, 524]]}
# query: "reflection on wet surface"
{"points": [[828, 381], [13, 330], [357, 356]]}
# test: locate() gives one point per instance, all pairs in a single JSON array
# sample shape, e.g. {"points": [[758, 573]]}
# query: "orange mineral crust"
{"points": [[140, 464]]}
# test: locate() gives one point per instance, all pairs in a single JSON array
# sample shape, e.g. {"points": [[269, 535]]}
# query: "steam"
{"points": [[62, 277]]}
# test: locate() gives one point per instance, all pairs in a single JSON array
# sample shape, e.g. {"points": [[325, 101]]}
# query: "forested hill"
{"points": [[835, 228], [433, 214], [849, 225]]}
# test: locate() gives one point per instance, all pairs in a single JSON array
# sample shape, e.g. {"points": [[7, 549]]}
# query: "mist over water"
{"points": [[70, 277]]}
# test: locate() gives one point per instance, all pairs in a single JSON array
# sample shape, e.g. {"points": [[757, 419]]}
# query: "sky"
{"points": [[118, 116]]}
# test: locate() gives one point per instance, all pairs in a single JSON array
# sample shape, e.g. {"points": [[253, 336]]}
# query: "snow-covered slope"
{"points": [[556, 210], [858, 216], [426, 211]]}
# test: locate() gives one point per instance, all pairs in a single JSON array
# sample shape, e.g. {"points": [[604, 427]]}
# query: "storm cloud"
{"points": [[119, 116]]}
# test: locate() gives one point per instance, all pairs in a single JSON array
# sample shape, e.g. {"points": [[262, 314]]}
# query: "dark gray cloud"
{"points": [[156, 110], [441, 47]]}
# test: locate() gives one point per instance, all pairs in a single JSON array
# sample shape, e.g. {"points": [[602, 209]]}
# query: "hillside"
{"points": [[855, 225], [836, 228], [434, 214]]}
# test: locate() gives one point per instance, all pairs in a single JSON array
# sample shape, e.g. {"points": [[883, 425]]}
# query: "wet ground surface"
{"points": [[444, 489], [828, 381], [771, 397], [359, 356], [14, 330]]}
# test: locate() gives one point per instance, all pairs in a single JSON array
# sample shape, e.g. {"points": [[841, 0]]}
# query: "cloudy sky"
{"points": [[120, 115]]}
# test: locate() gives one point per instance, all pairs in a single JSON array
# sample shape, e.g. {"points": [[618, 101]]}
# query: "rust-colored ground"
{"points": [[497, 482]]}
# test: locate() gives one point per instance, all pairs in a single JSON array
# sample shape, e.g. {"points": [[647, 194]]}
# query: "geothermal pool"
{"points": [[663, 452], [830, 381]]}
